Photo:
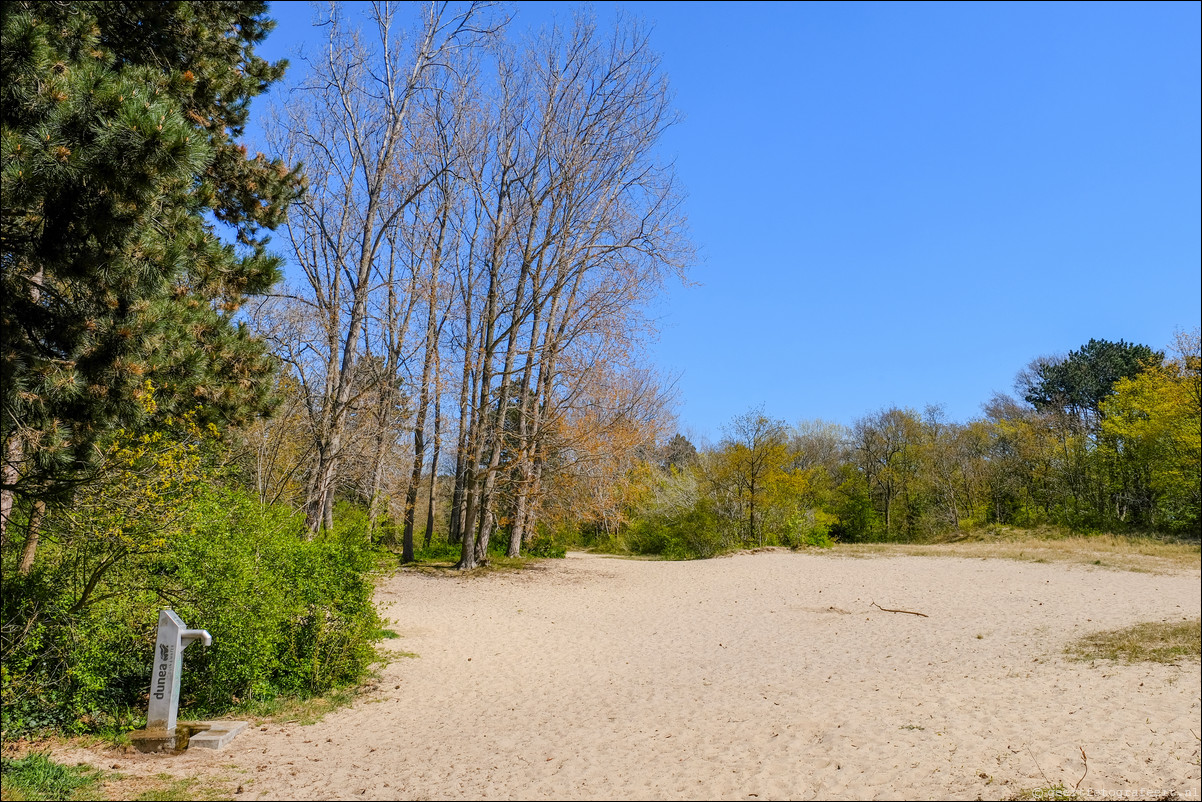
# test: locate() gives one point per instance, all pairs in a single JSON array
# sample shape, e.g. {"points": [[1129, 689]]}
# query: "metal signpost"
{"points": [[163, 733], [173, 638]]}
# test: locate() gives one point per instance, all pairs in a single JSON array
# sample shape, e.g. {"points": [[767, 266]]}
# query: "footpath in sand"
{"points": [[766, 675]]}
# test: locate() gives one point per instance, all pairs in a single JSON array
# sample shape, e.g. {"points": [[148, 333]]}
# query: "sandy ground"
{"points": [[765, 675]]}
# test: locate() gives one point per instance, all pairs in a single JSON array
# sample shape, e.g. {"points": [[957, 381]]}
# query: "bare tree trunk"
{"points": [[14, 453], [319, 506], [498, 438], [395, 332], [469, 553], [466, 392], [476, 442], [36, 516], [415, 478], [455, 525], [423, 404], [529, 418], [467, 386], [434, 459], [533, 495]]}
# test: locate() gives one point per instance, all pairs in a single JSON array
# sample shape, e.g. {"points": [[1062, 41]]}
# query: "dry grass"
{"points": [[1119, 552], [165, 787], [1152, 641], [293, 710], [1050, 792]]}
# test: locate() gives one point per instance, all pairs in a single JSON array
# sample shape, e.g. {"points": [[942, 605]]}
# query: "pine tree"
{"points": [[119, 124]]}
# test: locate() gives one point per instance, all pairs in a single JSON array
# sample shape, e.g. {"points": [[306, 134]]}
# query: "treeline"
{"points": [[1105, 438]]}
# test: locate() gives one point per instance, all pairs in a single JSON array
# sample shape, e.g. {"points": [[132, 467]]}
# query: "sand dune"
{"points": [[765, 675]]}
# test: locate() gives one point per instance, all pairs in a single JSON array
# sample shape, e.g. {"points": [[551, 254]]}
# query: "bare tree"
{"points": [[490, 241], [592, 229], [450, 120], [349, 124], [885, 444]]}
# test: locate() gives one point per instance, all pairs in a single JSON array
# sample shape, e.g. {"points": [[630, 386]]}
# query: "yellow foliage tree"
{"points": [[150, 480], [752, 463], [1152, 439]]}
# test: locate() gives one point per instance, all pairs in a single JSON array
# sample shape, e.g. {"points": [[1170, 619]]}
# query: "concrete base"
{"points": [[160, 740], [194, 734], [214, 734]]}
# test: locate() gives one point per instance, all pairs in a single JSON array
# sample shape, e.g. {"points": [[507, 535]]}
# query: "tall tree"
{"points": [[583, 225], [352, 123], [1070, 392], [885, 444], [755, 452], [1078, 383], [678, 453], [1151, 442], [118, 141]]}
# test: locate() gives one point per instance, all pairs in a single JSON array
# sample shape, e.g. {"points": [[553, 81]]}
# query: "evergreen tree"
{"points": [[1081, 381], [118, 148]]}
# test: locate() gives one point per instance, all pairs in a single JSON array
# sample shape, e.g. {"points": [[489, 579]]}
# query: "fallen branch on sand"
{"points": [[907, 612]]}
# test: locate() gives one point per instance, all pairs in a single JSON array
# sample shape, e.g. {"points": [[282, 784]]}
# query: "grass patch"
{"points": [[442, 557], [36, 777], [1153, 641], [497, 563], [295, 710], [1118, 552], [437, 552], [168, 788]]}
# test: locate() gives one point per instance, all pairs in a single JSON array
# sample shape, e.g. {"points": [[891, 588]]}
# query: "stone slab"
{"points": [[213, 734]]}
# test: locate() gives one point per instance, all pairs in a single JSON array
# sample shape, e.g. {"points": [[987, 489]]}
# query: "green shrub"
{"points": [[352, 523], [439, 551], [646, 537], [809, 528], [288, 615], [546, 547], [690, 535]]}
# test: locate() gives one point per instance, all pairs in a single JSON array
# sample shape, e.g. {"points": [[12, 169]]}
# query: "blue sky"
{"points": [[903, 204]]}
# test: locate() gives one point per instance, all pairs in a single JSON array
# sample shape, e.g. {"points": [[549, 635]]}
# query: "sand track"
{"points": [[765, 675]]}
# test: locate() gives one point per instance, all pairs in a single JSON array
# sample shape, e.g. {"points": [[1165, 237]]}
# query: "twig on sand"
{"points": [[1084, 760], [907, 612], [1045, 777]]}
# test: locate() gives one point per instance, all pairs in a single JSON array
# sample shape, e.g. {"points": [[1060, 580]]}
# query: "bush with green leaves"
{"points": [[547, 548], [809, 527], [688, 534], [288, 615]]}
